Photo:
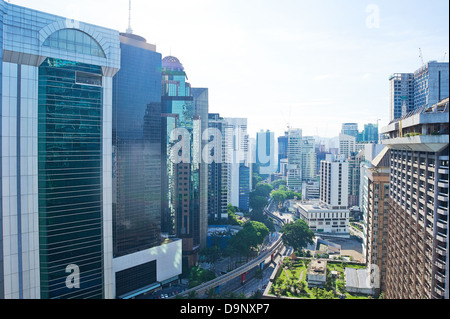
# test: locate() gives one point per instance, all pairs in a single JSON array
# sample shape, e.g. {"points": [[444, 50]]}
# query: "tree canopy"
{"points": [[249, 237], [297, 235]]}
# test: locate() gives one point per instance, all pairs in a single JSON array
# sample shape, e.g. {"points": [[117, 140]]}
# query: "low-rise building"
{"points": [[316, 275], [324, 219]]}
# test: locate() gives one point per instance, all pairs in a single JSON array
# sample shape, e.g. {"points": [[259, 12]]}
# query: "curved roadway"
{"points": [[276, 246]]}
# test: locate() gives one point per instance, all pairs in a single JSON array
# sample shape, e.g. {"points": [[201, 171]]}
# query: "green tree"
{"points": [[278, 196], [278, 183], [297, 235], [249, 238]]}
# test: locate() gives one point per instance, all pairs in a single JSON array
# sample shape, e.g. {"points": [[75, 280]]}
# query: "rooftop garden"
{"points": [[291, 281]]}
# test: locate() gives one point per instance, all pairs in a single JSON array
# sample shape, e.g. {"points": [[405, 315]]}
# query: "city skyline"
{"points": [[283, 65]]}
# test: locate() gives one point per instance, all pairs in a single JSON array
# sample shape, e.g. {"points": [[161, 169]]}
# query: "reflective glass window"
{"points": [[74, 41]]}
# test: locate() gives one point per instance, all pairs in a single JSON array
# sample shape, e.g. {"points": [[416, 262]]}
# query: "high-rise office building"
{"points": [[401, 87], [350, 129], [294, 167], [431, 84], [217, 170], [266, 157], [370, 133], [354, 177], [138, 263], [418, 239], [282, 149], [237, 152], [425, 87], [181, 134], [201, 107], [56, 177], [309, 158]]}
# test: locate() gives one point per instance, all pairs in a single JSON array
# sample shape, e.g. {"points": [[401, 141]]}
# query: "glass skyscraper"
{"points": [[139, 266], [56, 80], [181, 187]]}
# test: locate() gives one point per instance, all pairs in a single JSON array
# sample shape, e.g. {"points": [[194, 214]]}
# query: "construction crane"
{"points": [[421, 56]]}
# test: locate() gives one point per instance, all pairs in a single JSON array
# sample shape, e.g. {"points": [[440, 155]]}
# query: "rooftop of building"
{"points": [[315, 205], [424, 129], [317, 267]]}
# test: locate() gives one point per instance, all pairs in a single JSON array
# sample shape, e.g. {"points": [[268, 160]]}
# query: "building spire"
{"points": [[129, 30]]}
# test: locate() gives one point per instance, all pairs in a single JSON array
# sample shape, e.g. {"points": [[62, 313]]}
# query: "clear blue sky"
{"points": [[312, 64]]}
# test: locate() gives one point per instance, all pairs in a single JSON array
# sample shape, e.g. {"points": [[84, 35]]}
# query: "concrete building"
{"points": [[376, 194], [237, 153], [334, 181], [316, 275], [418, 239], [324, 219], [311, 190]]}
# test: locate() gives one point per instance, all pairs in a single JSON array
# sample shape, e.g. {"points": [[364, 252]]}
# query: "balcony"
{"points": [[439, 278], [441, 224], [443, 197], [442, 170], [439, 264], [418, 143], [443, 183], [441, 237], [442, 210]]}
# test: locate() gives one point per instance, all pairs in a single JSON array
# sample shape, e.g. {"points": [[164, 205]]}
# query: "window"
{"points": [[73, 40]]}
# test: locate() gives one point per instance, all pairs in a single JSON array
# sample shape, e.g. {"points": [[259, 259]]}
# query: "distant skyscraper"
{"points": [[56, 117], [370, 133], [181, 133], [236, 148], [308, 158], [217, 171], [294, 167], [426, 86], [431, 84], [350, 129], [282, 148], [266, 157], [401, 94], [201, 107]]}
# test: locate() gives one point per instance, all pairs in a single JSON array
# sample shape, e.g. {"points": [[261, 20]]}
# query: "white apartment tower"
{"points": [[334, 181]]}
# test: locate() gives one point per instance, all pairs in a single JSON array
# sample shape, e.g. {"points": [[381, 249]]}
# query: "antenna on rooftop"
{"points": [[129, 30]]}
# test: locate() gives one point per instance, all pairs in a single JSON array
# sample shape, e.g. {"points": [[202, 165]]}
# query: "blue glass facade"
{"points": [[282, 149], [137, 151], [70, 178]]}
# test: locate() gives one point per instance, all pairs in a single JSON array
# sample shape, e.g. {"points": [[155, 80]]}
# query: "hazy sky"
{"points": [[312, 64]]}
